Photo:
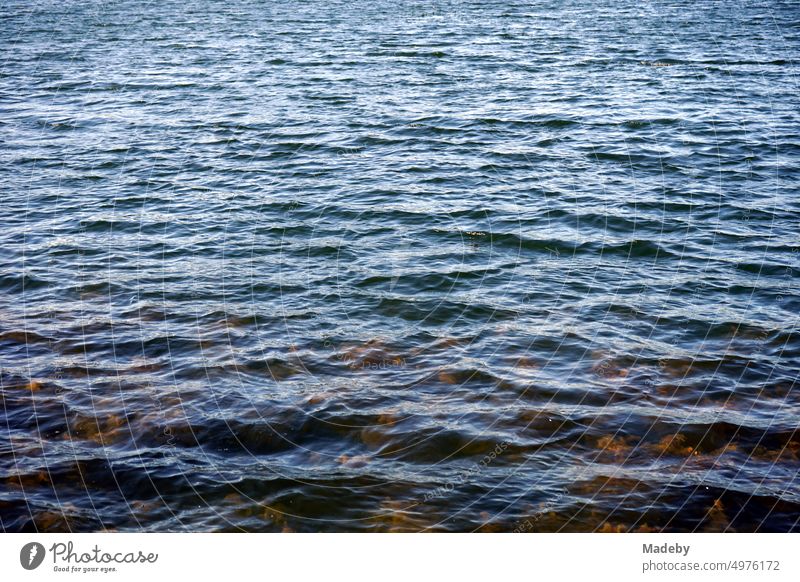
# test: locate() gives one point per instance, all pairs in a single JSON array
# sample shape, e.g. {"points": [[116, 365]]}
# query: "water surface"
{"points": [[399, 266]]}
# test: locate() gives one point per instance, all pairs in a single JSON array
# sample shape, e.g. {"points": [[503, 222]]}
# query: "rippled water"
{"points": [[399, 266]]}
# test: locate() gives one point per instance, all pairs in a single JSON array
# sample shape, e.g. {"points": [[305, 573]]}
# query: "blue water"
{"points": [[399, 266]]}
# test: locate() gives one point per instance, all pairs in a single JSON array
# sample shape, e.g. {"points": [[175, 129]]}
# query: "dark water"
{"points": [[399, 266]]}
